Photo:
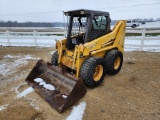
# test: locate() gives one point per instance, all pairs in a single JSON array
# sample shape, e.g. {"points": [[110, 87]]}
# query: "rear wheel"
{"points": [[93, 71], [113, 61], [54, 59]]}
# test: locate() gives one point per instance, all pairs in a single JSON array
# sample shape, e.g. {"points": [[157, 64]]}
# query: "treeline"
{"points": [[30, 24], [57, 24], [146, 20], [36, 24]]}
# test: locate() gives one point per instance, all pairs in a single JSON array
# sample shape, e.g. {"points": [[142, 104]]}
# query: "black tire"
{"points": [[134, 25], [110, 58], [87, 71], [54, 59]]}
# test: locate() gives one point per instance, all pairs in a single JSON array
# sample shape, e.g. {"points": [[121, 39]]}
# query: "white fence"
{"points": [[34, 38], [143, 38], [47, 39]]}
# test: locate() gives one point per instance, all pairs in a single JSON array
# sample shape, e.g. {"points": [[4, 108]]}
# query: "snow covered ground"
{"points": [[146, 42], [150, 25], [51, 43], [77, 112], [25, 92], [3, 107], [8, 67], [43, 41]]}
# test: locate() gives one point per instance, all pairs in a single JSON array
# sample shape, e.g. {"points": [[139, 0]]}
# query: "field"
{"points": [[45, 37], [132, 94]]}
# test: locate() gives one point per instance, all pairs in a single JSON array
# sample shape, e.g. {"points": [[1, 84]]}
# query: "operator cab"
{"points": [[85, 26]]}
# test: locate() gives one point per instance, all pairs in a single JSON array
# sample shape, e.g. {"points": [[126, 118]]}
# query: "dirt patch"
{"points": [[133, 80], [130, 63], [131, 94], [20, 110], [22, 87]]}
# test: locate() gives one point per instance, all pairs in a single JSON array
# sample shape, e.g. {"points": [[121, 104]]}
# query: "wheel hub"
{"points": [[117, 63], [98, 73]]}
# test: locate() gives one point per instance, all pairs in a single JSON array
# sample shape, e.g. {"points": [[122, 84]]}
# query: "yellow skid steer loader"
{"points": [[89, 51]]}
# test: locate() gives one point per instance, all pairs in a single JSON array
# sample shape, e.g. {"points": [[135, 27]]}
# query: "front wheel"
{"points": [[93, 71]]}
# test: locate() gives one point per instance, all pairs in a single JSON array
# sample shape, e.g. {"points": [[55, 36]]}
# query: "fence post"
{"points": [[143, 38], [8, 39], [35, 38]]}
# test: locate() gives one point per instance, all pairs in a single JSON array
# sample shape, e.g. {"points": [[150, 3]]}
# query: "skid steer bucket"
{"points": [[59, 88]]}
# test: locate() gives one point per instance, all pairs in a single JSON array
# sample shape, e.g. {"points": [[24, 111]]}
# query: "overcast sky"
{"points": [[51, 10]]}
